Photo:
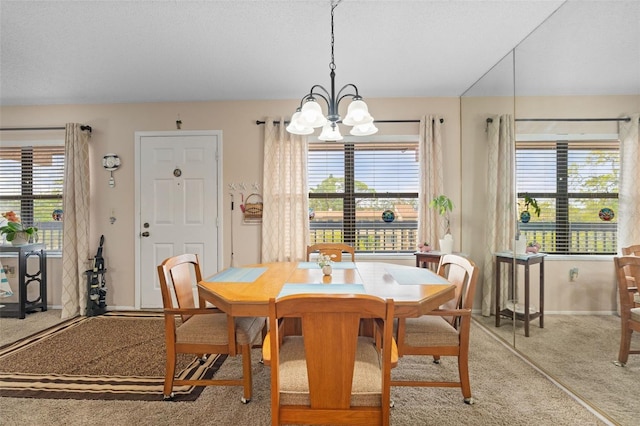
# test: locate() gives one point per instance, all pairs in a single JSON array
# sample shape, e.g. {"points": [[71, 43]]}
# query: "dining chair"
{"points": [[444, 331], [632, 250], [629, 315], [330, 374], [332, 249], [201, 330]]}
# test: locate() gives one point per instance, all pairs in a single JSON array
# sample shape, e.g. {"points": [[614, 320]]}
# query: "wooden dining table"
{"points": [[245, 291]]}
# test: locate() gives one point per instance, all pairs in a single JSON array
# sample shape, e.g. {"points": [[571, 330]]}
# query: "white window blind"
{"points": [[354, 187], [575, 184], [31, 183]]}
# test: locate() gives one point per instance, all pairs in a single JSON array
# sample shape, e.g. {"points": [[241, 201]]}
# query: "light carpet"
{"points": [[507, 392], [578, 351]]}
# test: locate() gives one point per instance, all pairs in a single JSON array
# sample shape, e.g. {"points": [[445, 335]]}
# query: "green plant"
{"points": [[14, 227], [530, 201], [443, 206]]}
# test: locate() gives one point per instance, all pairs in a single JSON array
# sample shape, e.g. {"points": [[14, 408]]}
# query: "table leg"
{"points": [[542, 294], [526, 300], [497, 290], [22, 285]]}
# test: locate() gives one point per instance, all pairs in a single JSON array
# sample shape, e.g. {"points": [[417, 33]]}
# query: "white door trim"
{"points": [[137, 177]]}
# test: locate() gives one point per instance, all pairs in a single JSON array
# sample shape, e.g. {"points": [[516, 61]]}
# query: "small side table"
{"points": [[526, 260], [431, 259], [24, 306]]}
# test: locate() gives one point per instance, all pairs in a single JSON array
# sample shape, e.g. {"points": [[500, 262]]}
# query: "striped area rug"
{"points": [[116, 356]]}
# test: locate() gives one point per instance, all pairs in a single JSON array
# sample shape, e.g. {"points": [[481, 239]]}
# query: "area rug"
{"points": [[116, 356]]}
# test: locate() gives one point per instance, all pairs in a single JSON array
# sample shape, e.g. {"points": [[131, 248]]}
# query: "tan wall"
{"points": [[465, 172], [594, 291], [114, 127]]}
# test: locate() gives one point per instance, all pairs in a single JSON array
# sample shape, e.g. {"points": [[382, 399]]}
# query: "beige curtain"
{"points": [[501, 207], [285, 218], [75, 245], [430, 227], [629, 192]]}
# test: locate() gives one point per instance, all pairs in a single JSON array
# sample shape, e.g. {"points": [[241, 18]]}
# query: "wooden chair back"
{"points": [[332, 249], [331, 342], [633, 250], [462, 273], [178, 275], [630, 321]]}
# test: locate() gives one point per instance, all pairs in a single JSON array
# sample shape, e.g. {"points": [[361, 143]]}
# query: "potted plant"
{"points": [[424, 247], [443, 206], [14, 231], [533, 247], [325, 262], [525, 216]]}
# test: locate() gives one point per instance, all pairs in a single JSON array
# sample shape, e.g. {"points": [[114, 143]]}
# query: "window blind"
{"points": [[364, 194], [575, 184], [31, 184]]}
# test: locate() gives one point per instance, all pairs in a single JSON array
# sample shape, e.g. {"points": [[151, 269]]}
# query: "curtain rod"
{"points": [[83, 127], [490, 120], [258, 122]]}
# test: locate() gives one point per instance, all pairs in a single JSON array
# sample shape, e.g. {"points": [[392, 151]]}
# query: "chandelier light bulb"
{"points": [[311, 115], [364, 129], [330, 132], [357, 114], [296, 127]]}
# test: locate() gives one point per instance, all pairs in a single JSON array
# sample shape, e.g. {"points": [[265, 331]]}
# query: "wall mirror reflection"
{"points": [[573, 87]]}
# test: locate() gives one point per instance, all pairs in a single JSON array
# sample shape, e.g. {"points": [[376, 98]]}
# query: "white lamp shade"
{"points": [[330, 133], [311, 115], [298, 128], [357, 113], [364, 129]]}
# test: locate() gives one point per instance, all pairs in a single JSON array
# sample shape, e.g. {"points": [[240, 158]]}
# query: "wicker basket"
{"points": [[253, 209]]}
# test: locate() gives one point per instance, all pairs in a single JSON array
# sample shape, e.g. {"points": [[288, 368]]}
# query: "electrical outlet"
{"points": [[573, 274], [10, 271]]}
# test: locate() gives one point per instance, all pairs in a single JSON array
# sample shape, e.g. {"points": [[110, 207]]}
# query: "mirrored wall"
{"points": [[575, 76]]}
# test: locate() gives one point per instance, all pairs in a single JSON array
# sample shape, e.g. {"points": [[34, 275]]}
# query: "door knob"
{"points": [[144, 234]]}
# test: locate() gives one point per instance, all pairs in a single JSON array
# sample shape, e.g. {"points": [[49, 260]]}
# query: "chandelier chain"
{"points": [[332, 64]]}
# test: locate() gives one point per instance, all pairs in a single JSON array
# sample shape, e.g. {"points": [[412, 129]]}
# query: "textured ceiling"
{"points": [[70, 52]]}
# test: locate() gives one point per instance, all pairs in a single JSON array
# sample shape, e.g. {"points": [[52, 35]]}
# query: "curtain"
{"points": [[501, 207], [629, 191], [75, 244], [285, 218], [431, 179]]}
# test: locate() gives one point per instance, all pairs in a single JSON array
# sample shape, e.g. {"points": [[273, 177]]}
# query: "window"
{"points": [[31, 182], [352, 185], [575, 184]]}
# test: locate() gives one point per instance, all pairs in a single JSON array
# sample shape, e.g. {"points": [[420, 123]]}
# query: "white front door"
{"points": [[179, 201]]}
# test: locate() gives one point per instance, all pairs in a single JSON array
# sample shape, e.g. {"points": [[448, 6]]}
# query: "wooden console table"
{"points": [[526, 260], [25, 278]]}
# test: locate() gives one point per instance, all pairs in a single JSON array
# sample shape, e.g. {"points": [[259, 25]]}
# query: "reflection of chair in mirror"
{"points": [[332, 249], [633, 250], [445, 331], [629, 316], [330, 374], [632, 279], [201, 331]]}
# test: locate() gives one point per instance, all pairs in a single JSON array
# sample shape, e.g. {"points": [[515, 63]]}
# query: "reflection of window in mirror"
{"points": [[575, 185]]}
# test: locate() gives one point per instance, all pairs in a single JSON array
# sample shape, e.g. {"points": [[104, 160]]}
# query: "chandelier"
{"points": [[309, 116]]}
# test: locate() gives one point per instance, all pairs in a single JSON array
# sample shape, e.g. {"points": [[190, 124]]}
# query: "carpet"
{"points": [[116, 356]]}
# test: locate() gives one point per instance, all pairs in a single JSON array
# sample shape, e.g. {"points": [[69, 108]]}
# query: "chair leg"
{"points": [[169, 375], [436, 359], [246, 372], [463, 371], [625, 345]]}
